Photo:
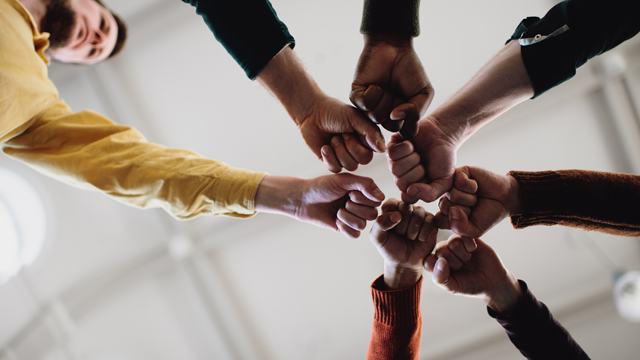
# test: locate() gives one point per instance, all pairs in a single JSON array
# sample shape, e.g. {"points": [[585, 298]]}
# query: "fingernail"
{"points": [[396, 217], [399, 115], [440, 264], [453, 211], [325, 150], [380, 144], [335, 141], [378, 194], [415, 192], [346, 136]]}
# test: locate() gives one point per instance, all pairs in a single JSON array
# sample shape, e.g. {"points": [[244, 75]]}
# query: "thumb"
{"points": [[410, 114], [460, 224], [463, 181], [384, 223], [441, 272], [365, 185], [429, 192], [364, 97], [367, 129]]}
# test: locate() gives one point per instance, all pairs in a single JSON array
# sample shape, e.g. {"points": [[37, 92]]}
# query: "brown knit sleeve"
{"points": [[590, 200], [397, 323]]}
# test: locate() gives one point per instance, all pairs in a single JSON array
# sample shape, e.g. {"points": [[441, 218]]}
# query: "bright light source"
{"points": [[626, 292], [22, 224]]}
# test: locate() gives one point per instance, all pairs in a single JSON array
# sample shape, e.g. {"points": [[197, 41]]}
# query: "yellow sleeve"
{"points": [[91, 152]]}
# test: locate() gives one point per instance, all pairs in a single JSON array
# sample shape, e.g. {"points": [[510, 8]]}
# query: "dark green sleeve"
{"points": [[249, 29], [595, 26], [391, 17]]}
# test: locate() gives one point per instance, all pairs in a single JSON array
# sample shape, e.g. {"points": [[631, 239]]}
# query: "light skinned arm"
{"points": [[478, 201], [470, 267], [404, 235], [499, 85], [320, 117], [589, 200], [342, 202]]}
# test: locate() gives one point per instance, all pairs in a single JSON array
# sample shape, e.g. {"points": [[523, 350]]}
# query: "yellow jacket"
{"points": [[91, 152]]}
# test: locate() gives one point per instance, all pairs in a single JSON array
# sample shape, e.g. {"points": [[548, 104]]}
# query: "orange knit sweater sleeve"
{"points": [[397, 323]]}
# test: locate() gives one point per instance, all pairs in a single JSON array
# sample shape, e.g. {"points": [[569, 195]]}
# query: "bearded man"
{"points": [[91, 152]]}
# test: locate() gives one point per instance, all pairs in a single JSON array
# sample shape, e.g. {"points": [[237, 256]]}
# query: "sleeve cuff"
{"points": [[391, 17], [393, 307]]}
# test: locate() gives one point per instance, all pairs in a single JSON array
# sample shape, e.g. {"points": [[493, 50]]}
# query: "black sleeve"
{"points": [[594, 27], [534, 331], [249, 29], [391, 17]]}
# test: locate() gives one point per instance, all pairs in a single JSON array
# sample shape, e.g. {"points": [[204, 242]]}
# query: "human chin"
{"points": [[60, 22]]}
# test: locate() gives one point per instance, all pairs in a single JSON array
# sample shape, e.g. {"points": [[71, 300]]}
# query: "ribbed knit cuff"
{"points": [[396, 307], [391, 17], [540, 195]]}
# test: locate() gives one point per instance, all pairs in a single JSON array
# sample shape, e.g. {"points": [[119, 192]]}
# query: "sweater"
{"points": [[397, 327], [89, 151], [589, 200]]}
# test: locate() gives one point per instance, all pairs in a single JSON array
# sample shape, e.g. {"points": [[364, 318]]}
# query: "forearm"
{"points": [[533, 330], [497, 87], [592, 28], [398, 277], [279, 194], [91, 152], [249, 30], [289, 81], [505, 295], [589, 200]]}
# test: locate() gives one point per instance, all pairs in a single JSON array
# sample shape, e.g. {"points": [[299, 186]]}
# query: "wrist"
{"points": [[395, 40], [279, 194], [400, 277], [292, 85], [514, 197], [504, 297]]}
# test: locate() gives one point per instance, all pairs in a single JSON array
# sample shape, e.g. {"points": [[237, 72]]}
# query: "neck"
{"points": [[37, 9]]}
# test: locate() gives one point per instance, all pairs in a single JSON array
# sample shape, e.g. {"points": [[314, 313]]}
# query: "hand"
{"points": [[342, 202], [478, 201], [328, 117], [404, 236], [423, 167], [390, 84], [469, 267], [320, 117]]}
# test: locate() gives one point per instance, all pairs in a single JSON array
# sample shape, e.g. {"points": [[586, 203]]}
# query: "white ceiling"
{"points": [[107, 287]]}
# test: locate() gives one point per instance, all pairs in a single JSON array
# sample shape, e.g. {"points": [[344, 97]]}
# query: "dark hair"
{"points": [[122, 32]]}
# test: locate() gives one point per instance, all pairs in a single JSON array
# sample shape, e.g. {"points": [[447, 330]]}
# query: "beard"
{"points": [[59, 22]]}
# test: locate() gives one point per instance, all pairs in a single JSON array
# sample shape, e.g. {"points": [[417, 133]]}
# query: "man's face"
{"points": [[82, 31]]}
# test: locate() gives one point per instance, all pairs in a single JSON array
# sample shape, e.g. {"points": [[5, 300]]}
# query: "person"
{"points": [[89, 151], [337, 133], [82, 32], [470, 267], [405, 237], [541, 54], [589, 200], [390, 84]]}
